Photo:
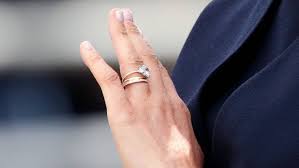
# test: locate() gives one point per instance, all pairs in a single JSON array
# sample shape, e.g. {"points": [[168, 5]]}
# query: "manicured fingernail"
{"points": [[119, 15], [87, 45], [128, 14]]}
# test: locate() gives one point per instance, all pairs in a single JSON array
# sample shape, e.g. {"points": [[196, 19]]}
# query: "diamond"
{"points": [[144, 71]]}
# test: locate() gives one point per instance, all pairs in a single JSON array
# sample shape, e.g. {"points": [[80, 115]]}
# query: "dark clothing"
{"points": [[239, 75]]}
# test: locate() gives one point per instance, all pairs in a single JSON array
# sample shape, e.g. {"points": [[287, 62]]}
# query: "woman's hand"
{"points": [[150, 123]]}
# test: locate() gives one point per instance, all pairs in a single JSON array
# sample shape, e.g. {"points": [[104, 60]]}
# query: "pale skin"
{"points": [[150, 124]]}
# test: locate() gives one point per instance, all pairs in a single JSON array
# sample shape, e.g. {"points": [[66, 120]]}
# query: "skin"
{"points": [[150, 124]]}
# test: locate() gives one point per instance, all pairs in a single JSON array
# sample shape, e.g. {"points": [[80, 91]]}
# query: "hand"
{"points": [[150, 123]]}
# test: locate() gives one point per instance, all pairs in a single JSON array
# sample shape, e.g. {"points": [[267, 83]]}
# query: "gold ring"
{"points": [[143, 70], [128, 74], [133, 80]]}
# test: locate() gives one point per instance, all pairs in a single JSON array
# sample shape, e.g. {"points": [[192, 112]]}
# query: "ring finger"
{"points": [[147, 54], [128, 58]]}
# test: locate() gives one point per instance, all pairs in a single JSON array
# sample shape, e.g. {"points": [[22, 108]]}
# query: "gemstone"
{"points": [[144, 71]]}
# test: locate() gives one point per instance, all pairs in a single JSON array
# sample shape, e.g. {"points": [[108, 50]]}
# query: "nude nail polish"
{"points": [[119, 15], [87, 45], [128, 14]]}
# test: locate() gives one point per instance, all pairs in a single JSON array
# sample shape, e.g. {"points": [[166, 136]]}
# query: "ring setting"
{"points": [[142, 70]]}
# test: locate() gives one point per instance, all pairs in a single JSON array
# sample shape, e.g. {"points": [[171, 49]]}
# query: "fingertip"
{"points": [[128, 14], [113, 10], [121, 14], [116, 13], [88, 52], [86, 45]]}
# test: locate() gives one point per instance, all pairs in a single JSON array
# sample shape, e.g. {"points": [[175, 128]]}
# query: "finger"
{"points": [[128, 58], [176, 101], [147, 54], [107, 78], [168, 83]]}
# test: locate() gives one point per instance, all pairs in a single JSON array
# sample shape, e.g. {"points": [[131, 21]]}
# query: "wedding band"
{"points": [[143, 70], [133, 80]]}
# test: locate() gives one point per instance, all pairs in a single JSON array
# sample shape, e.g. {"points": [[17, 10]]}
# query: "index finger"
{"points": [[107, 78]]}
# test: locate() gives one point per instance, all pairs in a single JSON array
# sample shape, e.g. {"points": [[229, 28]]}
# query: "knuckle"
{"points": [[127, 66], [164, 71], [180, 104], [132, 28], [131, 64], [123, 31], [93, 60], [150, 49], [149, 53], [148, 45], [120, 30], [111, 77], [188, 115], [134, 59], [151, 56]]}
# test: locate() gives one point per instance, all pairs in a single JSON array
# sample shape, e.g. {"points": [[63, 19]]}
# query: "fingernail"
{"points": [[119, 15], [128, 14], [87, 45]]}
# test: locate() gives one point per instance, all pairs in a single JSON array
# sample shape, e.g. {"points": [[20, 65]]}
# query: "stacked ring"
{"points": [[143, 70], [133, 80]]}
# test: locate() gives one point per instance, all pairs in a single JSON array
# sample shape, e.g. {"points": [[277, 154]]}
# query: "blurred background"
{"points": [[52, 113]]}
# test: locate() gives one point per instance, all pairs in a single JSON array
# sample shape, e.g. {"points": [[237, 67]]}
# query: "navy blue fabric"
{"points": [[238, 73]]}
